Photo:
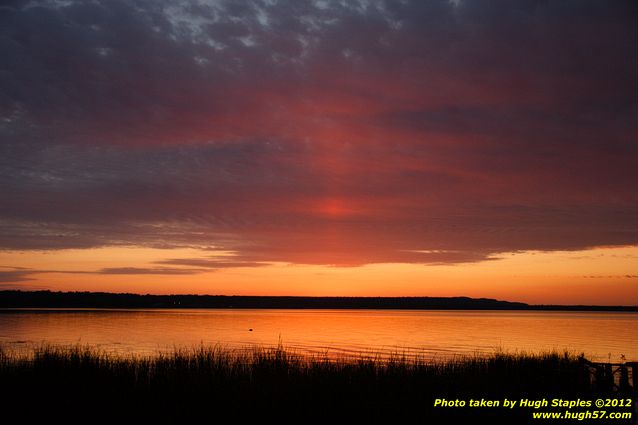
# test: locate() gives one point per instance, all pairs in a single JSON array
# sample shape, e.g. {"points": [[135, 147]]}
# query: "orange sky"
{"points": [[595, 276]]}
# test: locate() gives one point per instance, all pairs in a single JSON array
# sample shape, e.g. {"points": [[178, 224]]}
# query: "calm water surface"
{"points": [[434, 334]]}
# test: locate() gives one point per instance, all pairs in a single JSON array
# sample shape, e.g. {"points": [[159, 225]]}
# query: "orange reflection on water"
{"points": [[433, 334]]}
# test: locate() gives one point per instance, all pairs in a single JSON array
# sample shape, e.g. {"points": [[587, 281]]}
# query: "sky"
{"points": [[315, 147]]}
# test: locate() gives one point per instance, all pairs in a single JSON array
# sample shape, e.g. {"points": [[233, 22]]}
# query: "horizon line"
{"points": [[326, 297]]}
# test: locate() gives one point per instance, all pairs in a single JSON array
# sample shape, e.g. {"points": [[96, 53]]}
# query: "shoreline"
{"points": [[102, 300]]}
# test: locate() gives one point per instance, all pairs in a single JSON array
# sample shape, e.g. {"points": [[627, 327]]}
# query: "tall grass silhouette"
{"points": [[208, 383]]}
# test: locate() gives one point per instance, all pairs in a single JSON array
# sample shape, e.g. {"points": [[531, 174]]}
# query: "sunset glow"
{"points": [[566, 277], [372, 148]]}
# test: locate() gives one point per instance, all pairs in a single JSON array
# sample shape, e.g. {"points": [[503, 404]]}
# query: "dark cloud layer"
{"points": [[319, 132]]}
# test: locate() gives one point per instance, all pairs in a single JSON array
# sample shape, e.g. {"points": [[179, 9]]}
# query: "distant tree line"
{"points": [[49, 299]]}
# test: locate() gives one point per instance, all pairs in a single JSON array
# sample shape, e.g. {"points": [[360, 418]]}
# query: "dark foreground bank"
{"points": [[209, 385], [49, 299]]}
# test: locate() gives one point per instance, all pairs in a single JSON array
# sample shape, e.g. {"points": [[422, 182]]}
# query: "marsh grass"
{"points": [[213, 382]]}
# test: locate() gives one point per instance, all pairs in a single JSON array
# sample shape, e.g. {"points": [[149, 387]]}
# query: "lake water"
{"points": [[433, 334]]}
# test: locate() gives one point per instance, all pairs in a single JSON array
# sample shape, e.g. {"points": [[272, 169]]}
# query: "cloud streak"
{"points": [[14, 275], [147, 270]]}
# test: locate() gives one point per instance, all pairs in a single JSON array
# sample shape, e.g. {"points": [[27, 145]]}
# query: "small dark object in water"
{"points": [[250, 330]]}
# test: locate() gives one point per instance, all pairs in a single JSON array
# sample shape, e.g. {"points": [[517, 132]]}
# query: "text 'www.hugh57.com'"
{"points": [[555, 408]]}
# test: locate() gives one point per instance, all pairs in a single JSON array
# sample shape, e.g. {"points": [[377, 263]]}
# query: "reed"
{"points": [[213, 382]]}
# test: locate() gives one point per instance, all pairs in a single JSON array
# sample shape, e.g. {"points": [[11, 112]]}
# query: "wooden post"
{"points": [[623, 383], [634, 368]]}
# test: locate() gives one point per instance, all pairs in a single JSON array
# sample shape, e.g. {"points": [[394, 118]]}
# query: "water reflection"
{"points": [[434, 334]]}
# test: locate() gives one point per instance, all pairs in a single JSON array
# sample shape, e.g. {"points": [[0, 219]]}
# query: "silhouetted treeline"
{"points": [[48, 299]]}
